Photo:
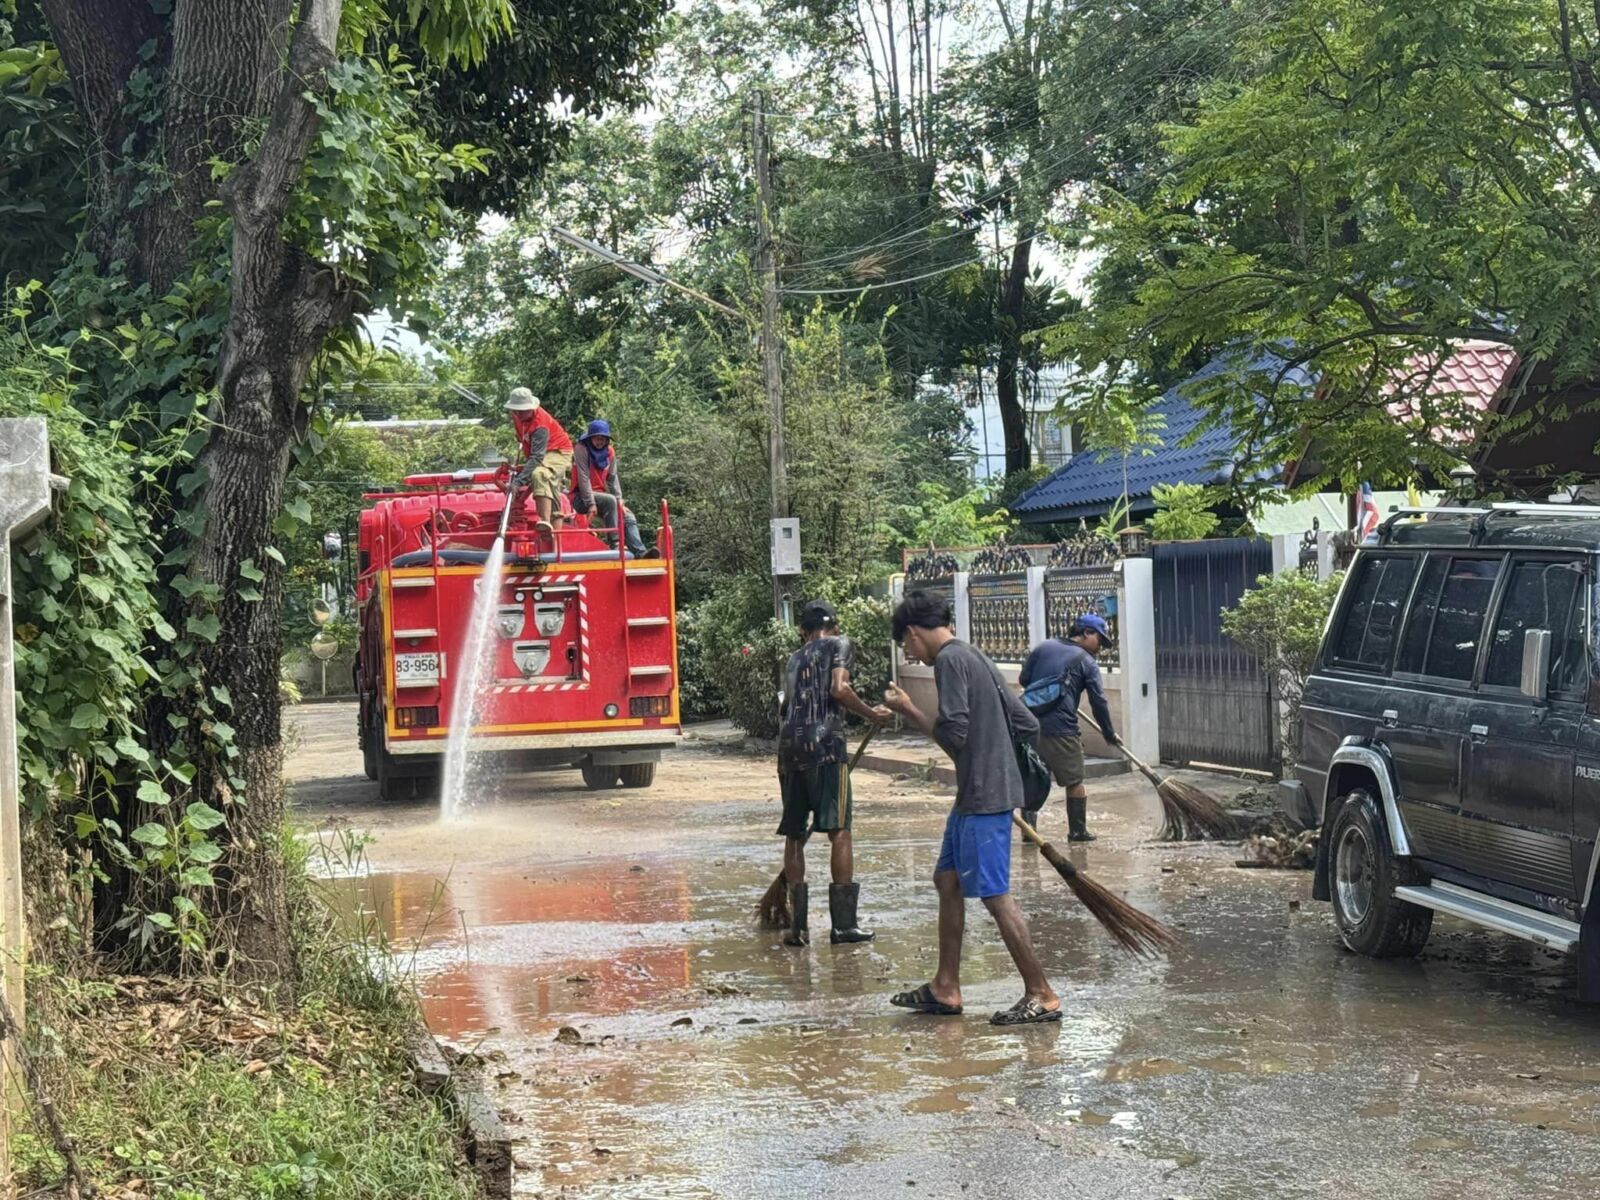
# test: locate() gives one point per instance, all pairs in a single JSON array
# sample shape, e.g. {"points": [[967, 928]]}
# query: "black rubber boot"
{"points": [[842, 899], [1078, 820], [799, 928]]}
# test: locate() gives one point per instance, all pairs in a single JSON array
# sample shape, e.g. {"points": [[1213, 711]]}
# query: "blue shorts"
{"points": [[978, 848]]}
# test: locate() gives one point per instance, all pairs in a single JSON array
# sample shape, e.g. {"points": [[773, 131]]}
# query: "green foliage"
{"points": [[1183, 512], [1379, 180], [372, 196], [943, 519], [39, 136], [91, 639], [1115, 520], [1281, 621], [733, 656]]}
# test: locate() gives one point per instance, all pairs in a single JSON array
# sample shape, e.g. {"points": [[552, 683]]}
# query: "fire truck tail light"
{"points": [[649, 706], [416, 718]]}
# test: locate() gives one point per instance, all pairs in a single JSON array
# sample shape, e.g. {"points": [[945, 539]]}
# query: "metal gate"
{"points": [[1216, 702]]}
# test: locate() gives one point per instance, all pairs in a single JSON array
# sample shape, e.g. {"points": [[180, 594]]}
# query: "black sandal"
{"points": [[1026, 1011], [922, 1000]]}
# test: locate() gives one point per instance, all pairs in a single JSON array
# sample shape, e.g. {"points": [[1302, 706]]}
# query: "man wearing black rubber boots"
{"points": [[1071, 662], [814, 772]]}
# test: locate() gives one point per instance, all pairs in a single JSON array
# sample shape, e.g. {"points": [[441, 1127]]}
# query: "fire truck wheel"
{"points": [[393, 786], [638, 775], [598, 779]]}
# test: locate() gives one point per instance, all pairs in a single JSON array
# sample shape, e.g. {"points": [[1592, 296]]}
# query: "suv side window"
{"points": [[1541, 594], [1447, 616], [1377, 598]]}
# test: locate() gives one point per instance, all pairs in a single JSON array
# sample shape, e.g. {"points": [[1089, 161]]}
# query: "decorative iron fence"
{"points": [[997, 610], [1070, 592]]}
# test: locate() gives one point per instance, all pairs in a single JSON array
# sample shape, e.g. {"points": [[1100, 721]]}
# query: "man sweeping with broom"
{"points": [[978, 724], [813, 773], [1054, 675]]}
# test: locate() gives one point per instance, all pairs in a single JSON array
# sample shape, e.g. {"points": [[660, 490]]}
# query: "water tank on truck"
{"points": [[581, 669]]}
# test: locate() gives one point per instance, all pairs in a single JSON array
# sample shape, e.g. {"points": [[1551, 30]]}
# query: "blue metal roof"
{"points": [[1090, 484]]}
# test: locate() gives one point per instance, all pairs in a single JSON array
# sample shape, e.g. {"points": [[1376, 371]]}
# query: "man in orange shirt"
{"points": [[546, 453]]}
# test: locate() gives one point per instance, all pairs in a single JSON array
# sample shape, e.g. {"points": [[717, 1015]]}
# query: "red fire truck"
{"points": [[583, 667]]}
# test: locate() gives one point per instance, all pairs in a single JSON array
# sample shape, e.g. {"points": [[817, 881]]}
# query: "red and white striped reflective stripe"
{"points": [[583, 628], [516, 689]]}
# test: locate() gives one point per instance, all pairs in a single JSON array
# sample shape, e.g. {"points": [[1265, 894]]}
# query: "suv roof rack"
{"points": [[1481, 513]]}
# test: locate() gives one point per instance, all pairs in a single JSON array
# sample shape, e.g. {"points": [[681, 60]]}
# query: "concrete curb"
{"points": [[487, 1140]]}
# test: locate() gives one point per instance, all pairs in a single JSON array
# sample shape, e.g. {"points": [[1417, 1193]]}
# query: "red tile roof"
{"points": [[1475, 374]]}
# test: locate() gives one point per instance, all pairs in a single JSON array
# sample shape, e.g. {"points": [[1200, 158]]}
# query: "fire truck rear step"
{"points": [[651, 671], [644, 572], [647, 622]]}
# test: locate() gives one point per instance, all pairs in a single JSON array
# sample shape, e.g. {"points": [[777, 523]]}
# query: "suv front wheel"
{"points": [[1363, 873]]}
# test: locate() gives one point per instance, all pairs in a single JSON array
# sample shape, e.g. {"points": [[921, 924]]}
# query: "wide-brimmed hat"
{"points": [[598, 428], [521, 400]]}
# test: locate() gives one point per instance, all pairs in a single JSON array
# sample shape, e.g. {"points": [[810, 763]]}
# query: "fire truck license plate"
{"points": [[411, 670]]}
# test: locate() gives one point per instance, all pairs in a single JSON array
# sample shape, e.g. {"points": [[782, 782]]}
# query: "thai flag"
{"points": [[1367, 516]]}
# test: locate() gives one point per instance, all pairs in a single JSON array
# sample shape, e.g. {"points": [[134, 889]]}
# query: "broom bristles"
{"points": [[772, 912], [1137, 932], [1197, 809]]}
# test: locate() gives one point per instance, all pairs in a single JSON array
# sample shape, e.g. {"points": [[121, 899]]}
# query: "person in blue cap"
{"points": [[596, 487], [1072, 661]]}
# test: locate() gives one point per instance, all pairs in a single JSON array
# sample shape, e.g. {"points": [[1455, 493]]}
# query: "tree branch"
{"points": [[260, 191]]}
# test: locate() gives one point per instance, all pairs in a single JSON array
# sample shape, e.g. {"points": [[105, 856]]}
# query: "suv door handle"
{"points": [[1479, 733], [1391, 718]]}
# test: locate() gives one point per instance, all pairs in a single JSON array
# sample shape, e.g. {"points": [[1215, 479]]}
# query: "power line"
{"points": [[870, 287]]}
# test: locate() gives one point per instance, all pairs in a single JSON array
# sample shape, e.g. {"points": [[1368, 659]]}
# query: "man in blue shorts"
{"points": [[978, 723]]}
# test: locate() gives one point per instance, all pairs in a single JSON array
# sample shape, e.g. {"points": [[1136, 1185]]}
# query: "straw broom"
{"points": [[1136, 932], [1184, 806], [772, 911]]}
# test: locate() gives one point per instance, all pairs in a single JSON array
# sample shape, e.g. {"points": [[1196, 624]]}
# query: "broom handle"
{"points": [[1154, 779], [1028, 831], [862, 748]]}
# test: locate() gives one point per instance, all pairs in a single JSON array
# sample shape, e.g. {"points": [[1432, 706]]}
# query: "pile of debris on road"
{"points": [[1292, 851]]}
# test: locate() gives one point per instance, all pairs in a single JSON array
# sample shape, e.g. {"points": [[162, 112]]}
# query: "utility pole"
{"points": [[771, 348]]}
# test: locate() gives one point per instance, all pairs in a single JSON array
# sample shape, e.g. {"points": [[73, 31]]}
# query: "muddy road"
{"points": [[1259, 1060]]}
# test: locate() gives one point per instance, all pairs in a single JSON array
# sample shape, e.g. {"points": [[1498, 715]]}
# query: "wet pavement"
{"points": [[702, 1059]]}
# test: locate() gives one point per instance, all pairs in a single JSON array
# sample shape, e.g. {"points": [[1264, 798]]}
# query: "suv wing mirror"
{"points": [[1535, 662]]}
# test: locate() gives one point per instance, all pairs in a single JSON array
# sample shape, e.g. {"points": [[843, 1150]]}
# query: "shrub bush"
{"points": [[731, 654], [1280, 621]]}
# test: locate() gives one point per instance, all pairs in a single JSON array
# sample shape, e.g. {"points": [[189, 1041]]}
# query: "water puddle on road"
{"points": [[649, 1042]]}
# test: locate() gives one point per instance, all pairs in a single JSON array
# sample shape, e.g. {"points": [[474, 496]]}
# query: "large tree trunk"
{"points": [[1013, 295], [231, 66]]}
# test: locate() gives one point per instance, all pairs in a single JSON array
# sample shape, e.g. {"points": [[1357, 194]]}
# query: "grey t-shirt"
{"points": [[979, 719]]}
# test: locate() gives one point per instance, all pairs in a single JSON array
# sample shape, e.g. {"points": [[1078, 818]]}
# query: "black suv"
{"points": [[1452, 732]]}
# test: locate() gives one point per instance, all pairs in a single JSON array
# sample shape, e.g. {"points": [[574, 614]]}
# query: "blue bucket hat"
{"points": [[1095, 623], [597, 429]]}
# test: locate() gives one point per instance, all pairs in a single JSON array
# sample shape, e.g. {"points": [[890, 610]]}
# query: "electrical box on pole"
{"points": [[785, 547]]}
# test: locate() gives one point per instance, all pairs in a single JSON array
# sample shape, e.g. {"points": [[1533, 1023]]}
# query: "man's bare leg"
{"points": [[794, 859], [842, 856], [946, 982], [1014, 931]]}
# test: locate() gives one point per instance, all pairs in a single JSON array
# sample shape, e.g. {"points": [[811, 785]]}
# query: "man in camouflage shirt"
{"points": [[814, 772]]}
